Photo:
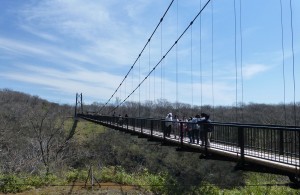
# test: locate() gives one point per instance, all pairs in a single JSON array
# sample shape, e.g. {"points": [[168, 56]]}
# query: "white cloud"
{"points": [[88, 82], [78, 19], [40, 34], [107, 29], [250, 70], [68, 45], [45, 52], [19, 48]]}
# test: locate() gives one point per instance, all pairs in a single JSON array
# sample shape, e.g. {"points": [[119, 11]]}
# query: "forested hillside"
{"points": [[41, 138], [32, 130]]}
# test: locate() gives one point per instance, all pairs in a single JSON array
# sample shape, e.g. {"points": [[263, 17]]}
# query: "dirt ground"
{"points": [[80, 188]]}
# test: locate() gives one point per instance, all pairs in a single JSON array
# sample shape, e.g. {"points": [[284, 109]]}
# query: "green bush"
{"points": [[16, 183], [207, 188], [123, 178], [12, 184], [108, 174], [153, 182], [76, 175], [149, 182]]}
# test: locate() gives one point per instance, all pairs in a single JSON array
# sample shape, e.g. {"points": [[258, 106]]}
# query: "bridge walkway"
{"points": [[286, 161]]}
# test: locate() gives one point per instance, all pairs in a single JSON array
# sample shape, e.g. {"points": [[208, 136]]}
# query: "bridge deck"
{"points": [[281, 162]]}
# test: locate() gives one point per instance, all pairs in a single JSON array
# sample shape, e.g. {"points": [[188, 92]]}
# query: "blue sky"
{"points": [[56, 48]]}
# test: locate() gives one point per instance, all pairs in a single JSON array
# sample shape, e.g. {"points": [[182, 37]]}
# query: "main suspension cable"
{"points": [[138, 55], [164, 55]]}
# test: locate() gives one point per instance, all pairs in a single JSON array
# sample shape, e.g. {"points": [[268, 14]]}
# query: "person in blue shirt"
{"points": [[195, 128]]}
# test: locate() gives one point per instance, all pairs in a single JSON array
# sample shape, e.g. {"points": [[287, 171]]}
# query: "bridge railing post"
{"points": [[75, 114], [151, 129], [181, 135], [241, 142], [142, 122], [206, 145], [298, 151], [163, 127], [134, 124], [281, 149]]}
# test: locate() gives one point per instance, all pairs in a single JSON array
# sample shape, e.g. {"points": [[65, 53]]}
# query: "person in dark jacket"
{"points": [[189, 129], [206, 129], [195, 129]]}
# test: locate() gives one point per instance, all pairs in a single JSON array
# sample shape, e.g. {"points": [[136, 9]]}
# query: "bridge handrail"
{"points": [[268, 142], [216, 123]]}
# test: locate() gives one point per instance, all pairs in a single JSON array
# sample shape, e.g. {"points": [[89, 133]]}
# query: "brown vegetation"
{"points": [[37, 136]]}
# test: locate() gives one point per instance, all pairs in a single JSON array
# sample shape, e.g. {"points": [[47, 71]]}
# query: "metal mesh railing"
{"points": [[269, 142]]}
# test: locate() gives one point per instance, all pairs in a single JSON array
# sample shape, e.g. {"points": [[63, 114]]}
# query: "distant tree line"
{"points": [[276, 114]]}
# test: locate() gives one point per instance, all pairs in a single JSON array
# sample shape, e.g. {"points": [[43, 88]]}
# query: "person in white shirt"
{"points": [[168, 124], [176, 126]]}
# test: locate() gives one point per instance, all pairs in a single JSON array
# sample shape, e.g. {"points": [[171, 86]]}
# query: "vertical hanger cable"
{"points": [[139, 87], [149, 46], [200, 57], [293, 54], [235, 62], [161, 64], [212, 55], [192, 81], [177, 58], [283, 62], [241, 58]]}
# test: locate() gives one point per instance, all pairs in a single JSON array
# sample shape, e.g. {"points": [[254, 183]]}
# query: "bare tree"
{"points": [[47, 124]]}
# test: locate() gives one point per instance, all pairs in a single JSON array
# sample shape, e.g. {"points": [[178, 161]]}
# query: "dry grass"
{"points": [[79, 188]]}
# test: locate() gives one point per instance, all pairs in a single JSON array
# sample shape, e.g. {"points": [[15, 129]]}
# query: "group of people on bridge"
{"points": [[197, 128]]}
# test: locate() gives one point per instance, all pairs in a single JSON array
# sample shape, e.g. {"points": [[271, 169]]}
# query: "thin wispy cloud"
{"points": [[40, 34], [16, 47], [88, 46]]}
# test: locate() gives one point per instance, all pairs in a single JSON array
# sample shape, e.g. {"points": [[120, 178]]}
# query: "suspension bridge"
{"points": [[276, 147]]}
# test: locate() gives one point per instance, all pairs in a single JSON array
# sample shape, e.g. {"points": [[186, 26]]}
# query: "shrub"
{"points": [[76, 175], [207, 188], [11, 184]]}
